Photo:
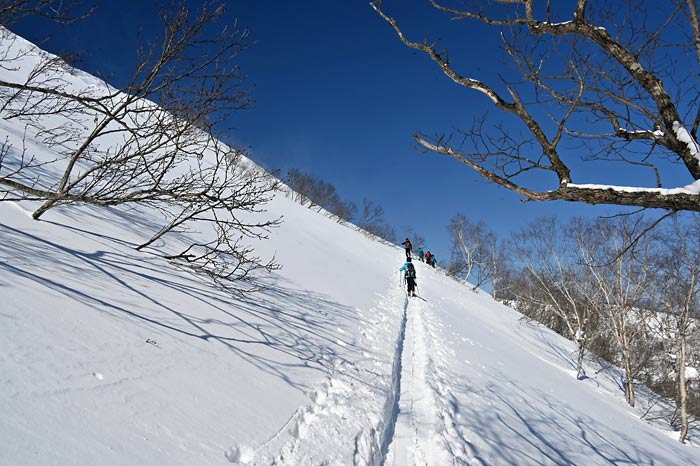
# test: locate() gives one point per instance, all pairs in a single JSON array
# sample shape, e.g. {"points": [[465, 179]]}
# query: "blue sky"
{"points": [[337, 95]]}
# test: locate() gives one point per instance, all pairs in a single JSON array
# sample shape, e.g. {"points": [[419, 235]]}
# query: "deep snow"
{"points": [[110, 356]]}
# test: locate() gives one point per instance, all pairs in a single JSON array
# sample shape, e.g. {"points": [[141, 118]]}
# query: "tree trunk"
{"points": [[579, 362], [629, 384], [683, 387]]}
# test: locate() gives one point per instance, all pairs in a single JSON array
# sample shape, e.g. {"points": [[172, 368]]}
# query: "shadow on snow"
{"points": [[277, 330]]}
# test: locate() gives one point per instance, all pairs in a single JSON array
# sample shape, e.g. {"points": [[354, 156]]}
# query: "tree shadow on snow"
{"points": [[505, 423], [279, 330]]}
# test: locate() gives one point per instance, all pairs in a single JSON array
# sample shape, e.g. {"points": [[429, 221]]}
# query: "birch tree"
{"points": [[620, 261], [550, 283], [678, 282], [474, 253]]}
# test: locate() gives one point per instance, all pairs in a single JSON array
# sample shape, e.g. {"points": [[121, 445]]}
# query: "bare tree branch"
{"points": [[152, 144], [582, 76]]}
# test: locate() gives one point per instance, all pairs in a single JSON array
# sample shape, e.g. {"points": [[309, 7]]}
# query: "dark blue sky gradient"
{"points": [[337, 95]]}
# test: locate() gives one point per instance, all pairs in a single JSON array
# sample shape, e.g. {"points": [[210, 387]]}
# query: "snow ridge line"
{"points": [[391, 409]]}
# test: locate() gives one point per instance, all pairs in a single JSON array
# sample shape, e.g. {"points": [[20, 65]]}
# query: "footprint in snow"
{"points": [[319, 397], [240, 454], [301, 426]]}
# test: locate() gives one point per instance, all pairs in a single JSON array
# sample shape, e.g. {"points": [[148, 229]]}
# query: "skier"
{"points": [[433, 261], [421, 255], [409, 275], [428, 255], [407, 244]]}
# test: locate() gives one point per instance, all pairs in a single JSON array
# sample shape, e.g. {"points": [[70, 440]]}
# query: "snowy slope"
{"points": [[490, 389], [114, 357], [110, 356]]}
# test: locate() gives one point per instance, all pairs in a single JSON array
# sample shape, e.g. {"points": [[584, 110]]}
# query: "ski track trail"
{"points": [[425, 432], [351, 414], [394, 407]]}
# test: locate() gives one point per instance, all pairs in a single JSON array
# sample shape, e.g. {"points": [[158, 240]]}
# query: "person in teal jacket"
{"points": [[421, 254], [409, 275]]}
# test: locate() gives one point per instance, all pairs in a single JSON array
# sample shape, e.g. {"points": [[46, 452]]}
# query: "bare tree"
{"points": [[308, 188], [344, 210], [56, 10], [371, 220], [593, 81], [621, 262], [549, 287], [150, 144], [474, 253], [501, 271], [301, 185], [678, 281]]}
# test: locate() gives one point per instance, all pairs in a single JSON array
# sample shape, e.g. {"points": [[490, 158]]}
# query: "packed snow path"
{"points": [[416, 440], [391, 402]]}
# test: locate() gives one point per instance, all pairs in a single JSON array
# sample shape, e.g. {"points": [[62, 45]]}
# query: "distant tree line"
{"points": [[317, 194], [624, 289]]}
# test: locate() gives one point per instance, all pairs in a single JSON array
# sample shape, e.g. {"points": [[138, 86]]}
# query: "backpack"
{"points": [[410, 271]]}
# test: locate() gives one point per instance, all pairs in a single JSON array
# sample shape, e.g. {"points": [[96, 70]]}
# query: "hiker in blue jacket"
{"points": [[409, 275]]}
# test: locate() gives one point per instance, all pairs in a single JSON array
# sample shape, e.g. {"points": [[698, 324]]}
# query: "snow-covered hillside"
{"points": [[109, 356]]}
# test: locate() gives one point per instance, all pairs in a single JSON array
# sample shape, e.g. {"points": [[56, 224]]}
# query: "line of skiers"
{"points": [[409, 269], [427, 257]]}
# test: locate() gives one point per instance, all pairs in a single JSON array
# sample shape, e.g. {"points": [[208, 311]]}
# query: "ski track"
{"points": [[393, 407], [425, 432]]}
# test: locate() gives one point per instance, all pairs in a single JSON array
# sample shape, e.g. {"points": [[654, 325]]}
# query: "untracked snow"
{"points": [[109, 356]]}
